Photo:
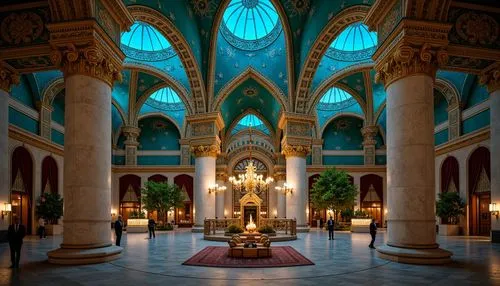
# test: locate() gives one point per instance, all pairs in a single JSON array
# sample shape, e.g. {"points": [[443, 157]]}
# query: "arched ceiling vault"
{"points": [[233, 124], [213, 50], [165, 116]]}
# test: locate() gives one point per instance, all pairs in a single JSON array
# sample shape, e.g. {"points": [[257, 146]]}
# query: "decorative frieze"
{"points": [[298, 132], [204, 131], [8, 78], [369, 141], [131, 134]]}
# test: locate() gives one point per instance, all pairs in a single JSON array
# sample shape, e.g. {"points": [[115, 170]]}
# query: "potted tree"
{"points": [[162, 197], [333, 191], [50, 207], [449, 207]]}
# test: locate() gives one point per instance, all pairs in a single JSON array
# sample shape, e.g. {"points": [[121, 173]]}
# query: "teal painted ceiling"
{"points": [[250, 95], [355, 38], [145, 43], [250, 19], [335, 99], [250, 121]]}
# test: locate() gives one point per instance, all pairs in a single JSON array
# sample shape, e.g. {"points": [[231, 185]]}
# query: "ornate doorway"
{"points": [[22, 187], [479, 192], [372, 197]]}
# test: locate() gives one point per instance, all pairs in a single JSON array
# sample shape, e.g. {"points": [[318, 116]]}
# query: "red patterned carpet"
{"points": [[216, 256]]}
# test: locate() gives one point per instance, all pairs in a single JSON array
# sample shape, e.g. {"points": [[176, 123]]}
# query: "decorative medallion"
{"points": [[477, 28], [297, 7], [250, 91], [159, 125], [20, 28], [342, 124], [205, 8]]}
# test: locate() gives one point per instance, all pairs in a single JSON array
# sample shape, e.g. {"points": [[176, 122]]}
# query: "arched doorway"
{"points": [[130, 193], [21, 191], [50, 183], [449, 178], [371, 196], [184, 216], [479, 192], [315, 215]]}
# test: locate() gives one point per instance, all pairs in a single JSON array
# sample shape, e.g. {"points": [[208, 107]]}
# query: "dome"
{"points": [[165, 99], [250, 24], [335, 99], [144, 42], [250, 120], [355, 42]]}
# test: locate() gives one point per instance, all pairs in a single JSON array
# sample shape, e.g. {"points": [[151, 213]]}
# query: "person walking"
{"points": [[41, 228], [15, 235], [118, 230], [331, 224], [151, 227], [373, 233]]}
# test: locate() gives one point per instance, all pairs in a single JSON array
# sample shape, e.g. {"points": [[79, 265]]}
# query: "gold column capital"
{"points": [[211, 150], [369, 133], [491, 78], [295, 150], [131, 133], [8, 78]]}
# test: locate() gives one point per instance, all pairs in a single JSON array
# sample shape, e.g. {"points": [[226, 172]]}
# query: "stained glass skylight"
{"points": [[355, 42], [165, 99], [250, 24], [250, 120], [144, 42], [335, 99]]}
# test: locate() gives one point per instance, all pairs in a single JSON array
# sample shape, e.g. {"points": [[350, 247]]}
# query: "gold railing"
{"points": [[288, 226], [211, 226]]}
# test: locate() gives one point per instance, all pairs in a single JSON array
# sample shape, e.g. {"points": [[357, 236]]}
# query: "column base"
{"points": [[304, 228], [427, 256], [197, 229], [73, 256]]}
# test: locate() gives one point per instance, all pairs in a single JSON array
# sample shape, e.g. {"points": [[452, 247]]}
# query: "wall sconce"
{"points": [[385, 211], [286, 188], [113, 213], [493, 210], [216, 188], [7, 209]]}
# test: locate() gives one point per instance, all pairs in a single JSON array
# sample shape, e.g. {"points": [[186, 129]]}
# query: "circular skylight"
{"points": [[250, 24], [165, 99], [354, 43], [144, 42], [250, 120], [335, 99]]}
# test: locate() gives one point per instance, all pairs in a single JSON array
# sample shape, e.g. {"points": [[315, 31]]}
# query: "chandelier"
{"points": [[250, 181]]}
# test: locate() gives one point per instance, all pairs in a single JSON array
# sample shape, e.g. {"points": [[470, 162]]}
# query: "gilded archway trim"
{"points": [[333, 81], [120, 110], [245, 113], [213, 49], [449, 91], [338, 115], [50, 92], [379, 112], [181, 46], [165, 116], [247, 74], [336, 25], [257, 153]]}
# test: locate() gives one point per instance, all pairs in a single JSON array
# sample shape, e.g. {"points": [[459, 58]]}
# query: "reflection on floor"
{"points": [[344, 261]]}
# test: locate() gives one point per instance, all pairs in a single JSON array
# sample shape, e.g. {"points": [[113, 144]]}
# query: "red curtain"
{"points": [[130, 180], [479, 159], [158, 178], [21, 160], [185, 181], [449, 173], [49, 173], [374, 180]]}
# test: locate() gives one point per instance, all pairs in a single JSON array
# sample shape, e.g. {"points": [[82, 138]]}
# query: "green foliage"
{"points": [[137, 214], [167, 227], [266, 229], [450, 206], [347, 214], [234, 229], [360, 214], [50, 207], [333, 190], [161, 197]]}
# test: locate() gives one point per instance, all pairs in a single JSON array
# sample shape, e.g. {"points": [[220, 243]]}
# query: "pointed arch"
{"points": [[181, 46], [257, 154], [165, 116], [213, 49], [308, 69], [259, 78], [242, 115], [336, 116]]}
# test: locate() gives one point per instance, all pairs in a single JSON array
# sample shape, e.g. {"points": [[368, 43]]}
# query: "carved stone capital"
{"points": [[8, 78], [369, 133], [281, 176], [491, 78], [295, 150], [221, 176], [206, 150], [407, 60], [131, 134]]}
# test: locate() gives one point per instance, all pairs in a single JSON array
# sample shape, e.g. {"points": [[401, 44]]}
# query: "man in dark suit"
{"points": [[373, 233], [118, 230], [331, 224], [151, 227], [15, 236]]}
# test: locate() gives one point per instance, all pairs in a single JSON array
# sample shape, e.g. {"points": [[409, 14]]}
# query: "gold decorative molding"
{"points": [[131, 134], [206, 150], [152, 169], [464, 141], [407, 60], [491, 78], [8, 78], [18, 134], [295, 150], [369, 133]]}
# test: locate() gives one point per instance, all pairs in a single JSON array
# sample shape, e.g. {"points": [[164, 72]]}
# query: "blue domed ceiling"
{"points": [[144, 42], [353, 44], [335, 99], [250, 121]]}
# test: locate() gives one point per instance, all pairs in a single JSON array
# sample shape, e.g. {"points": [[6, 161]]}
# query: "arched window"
{"points": [[335, 99], [165, 99], [146, 43], [355, 43], [250, 121]]}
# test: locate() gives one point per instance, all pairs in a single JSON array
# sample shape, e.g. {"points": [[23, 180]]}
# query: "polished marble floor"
{"points": [[347, 260]]}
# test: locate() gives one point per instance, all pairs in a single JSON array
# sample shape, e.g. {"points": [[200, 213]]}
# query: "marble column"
{"points": [[492, 80], [280, 179], [296, 177], [204, 177], [131, 134], [410, 173], [219, 196], [7, 79]]}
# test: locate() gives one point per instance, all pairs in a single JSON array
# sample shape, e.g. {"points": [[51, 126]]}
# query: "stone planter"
{"points": [[449, 229], [54, 229]]}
